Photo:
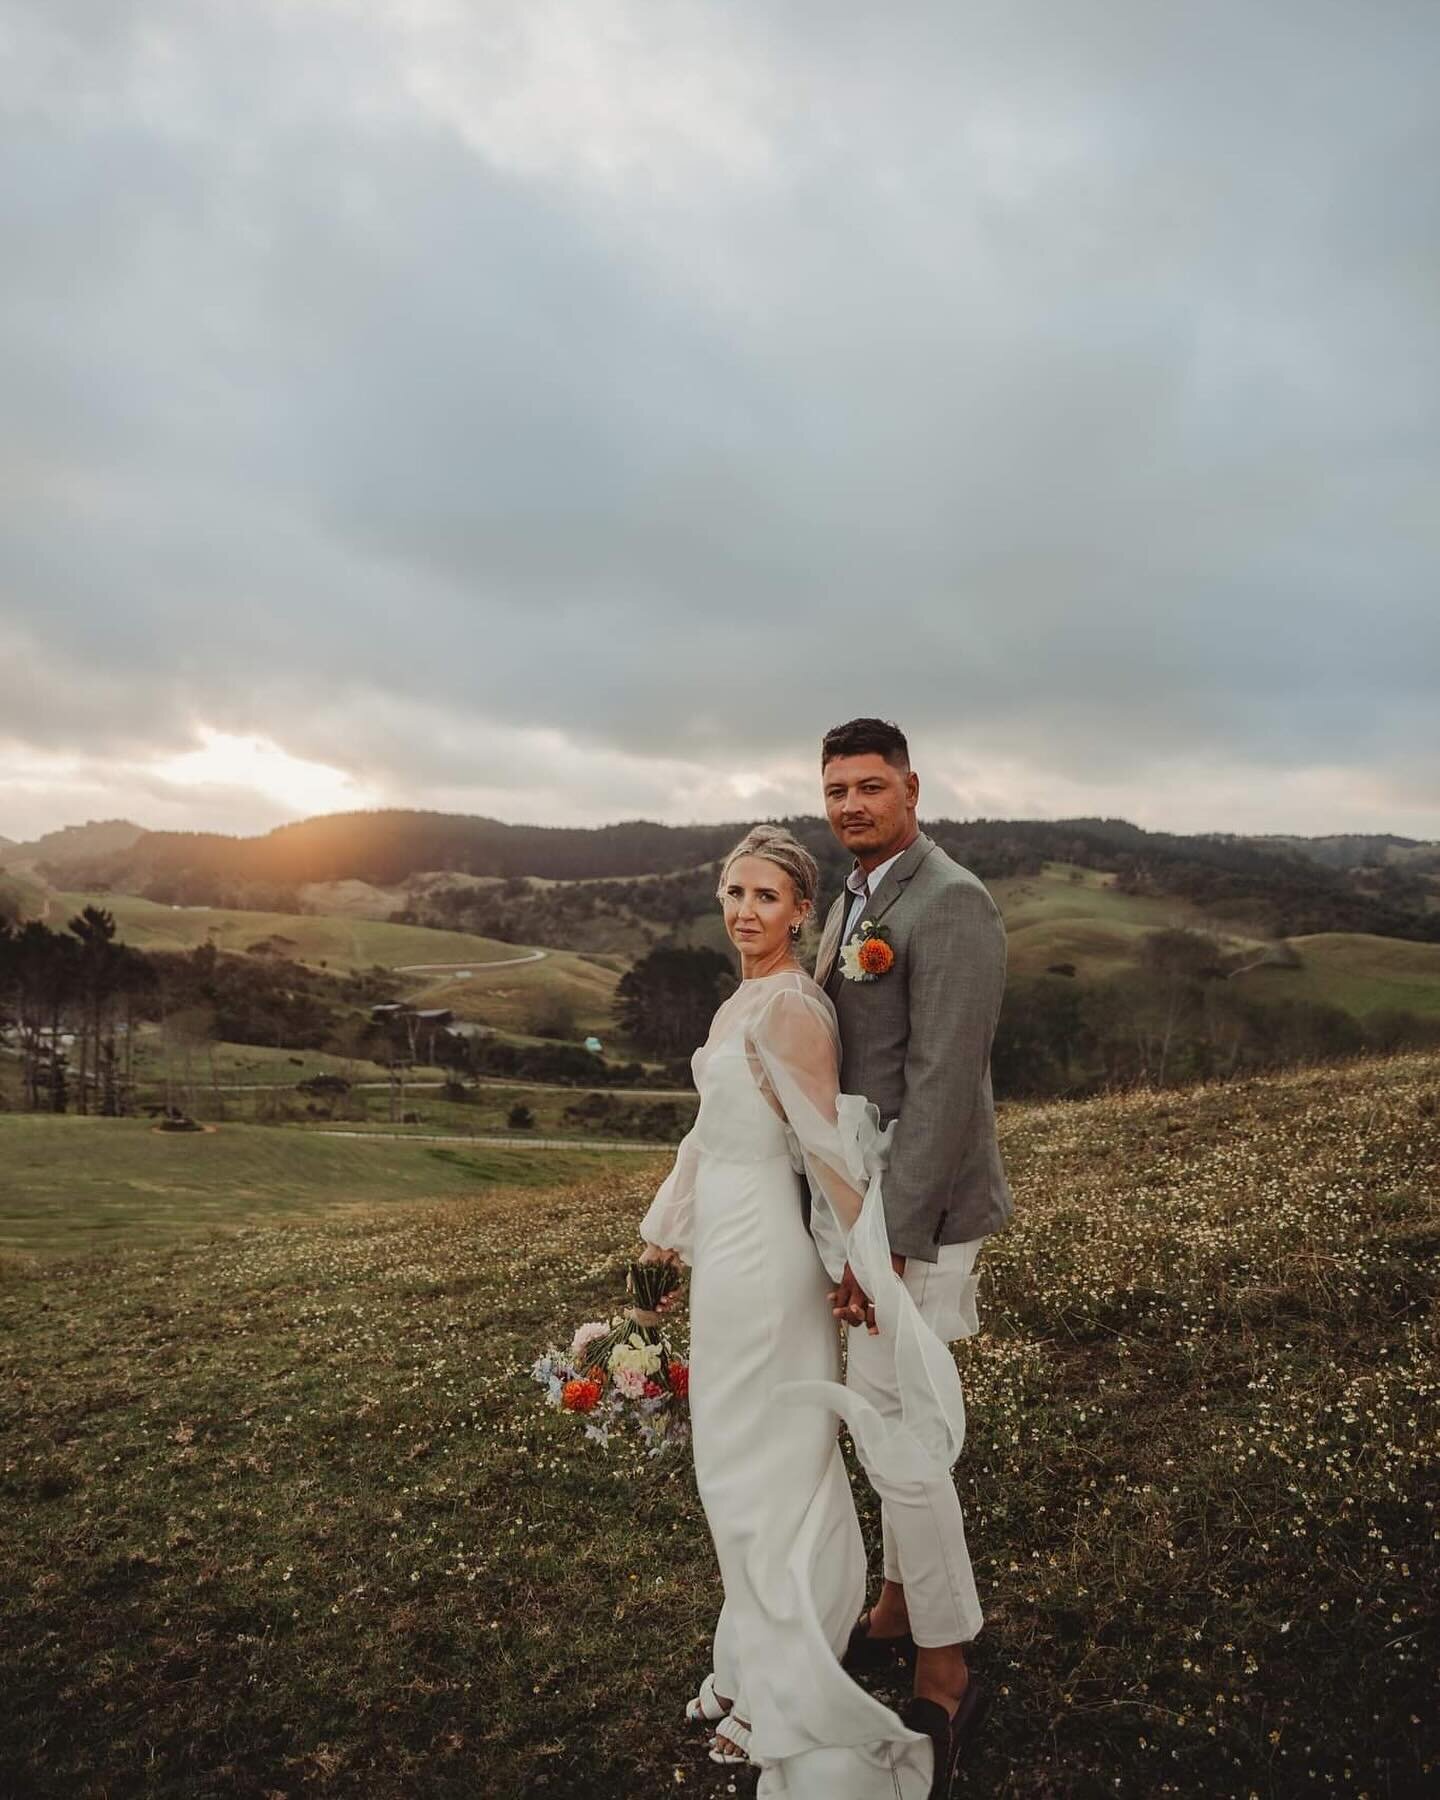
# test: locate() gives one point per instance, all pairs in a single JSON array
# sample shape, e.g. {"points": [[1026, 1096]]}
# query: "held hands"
{"points": [[850, 1302]]}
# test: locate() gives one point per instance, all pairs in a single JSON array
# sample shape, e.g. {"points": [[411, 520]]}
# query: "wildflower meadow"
{"points": [[284, 1512]]}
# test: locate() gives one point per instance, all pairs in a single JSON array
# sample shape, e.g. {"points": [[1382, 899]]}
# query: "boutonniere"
{"points": [[868, 955]]}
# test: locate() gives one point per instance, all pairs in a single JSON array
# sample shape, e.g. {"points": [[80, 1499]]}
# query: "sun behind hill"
{"points": [[260, 765]]}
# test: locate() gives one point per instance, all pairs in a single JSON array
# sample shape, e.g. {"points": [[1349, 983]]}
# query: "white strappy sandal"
{"points": [[705, 1708], [731, 1743]]}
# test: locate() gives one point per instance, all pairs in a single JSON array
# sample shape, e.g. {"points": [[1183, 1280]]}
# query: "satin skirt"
{"points": [[777, 1497]]}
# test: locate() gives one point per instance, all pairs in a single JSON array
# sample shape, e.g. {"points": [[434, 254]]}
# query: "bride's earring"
{"points": [[794, 931]]}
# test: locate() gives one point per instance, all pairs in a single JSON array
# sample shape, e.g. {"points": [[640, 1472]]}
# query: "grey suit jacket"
{"points": [[916, 1041]]}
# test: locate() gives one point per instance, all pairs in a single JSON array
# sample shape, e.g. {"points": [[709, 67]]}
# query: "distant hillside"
{"points": [[21, 897], [1352, 850], [1267, 887], [73, 843], [383, 848]]}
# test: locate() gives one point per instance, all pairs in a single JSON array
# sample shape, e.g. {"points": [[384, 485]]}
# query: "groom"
{"points": [[915, 1039]]}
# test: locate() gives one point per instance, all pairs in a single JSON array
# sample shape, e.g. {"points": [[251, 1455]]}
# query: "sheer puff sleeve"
{"points": [[796, 1041], [670, 1222]]}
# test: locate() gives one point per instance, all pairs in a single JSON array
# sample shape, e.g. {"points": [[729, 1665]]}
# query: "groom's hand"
{"points": [[852, 1304]]}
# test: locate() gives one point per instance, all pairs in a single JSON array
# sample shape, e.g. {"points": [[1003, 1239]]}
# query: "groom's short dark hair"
{"points": [[867, 737]]}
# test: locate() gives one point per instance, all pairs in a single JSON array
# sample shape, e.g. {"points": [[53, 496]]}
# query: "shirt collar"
{"points": [[856, 879]]}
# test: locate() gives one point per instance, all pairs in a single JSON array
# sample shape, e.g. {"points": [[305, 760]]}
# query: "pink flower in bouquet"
{"points": [[587, 1334], [630, 1382]]}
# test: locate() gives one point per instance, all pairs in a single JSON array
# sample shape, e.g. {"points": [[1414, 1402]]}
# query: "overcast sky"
{"points": [[566, 409]]}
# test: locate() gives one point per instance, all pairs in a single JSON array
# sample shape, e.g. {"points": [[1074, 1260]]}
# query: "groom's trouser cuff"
{"points": [[922, 1524], [925, 1550]]}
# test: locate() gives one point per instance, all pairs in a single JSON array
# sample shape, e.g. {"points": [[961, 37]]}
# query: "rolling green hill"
{"points": [[339, 943], [1067, 914], [508, 986], [1078, 917], [1360, 974], [561, 989]]}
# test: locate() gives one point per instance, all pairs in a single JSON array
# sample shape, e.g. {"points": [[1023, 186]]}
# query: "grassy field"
{"points": [[259, 1063], [1067, 914], [483, 1113], [1363, 974], [337, 942], [352, 899], [1053, 918], [257, 1085], [71, 1185], [282, 1514], [1063, 915], [518, 998]]}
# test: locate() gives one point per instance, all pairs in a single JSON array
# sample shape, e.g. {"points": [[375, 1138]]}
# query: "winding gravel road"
{"points": [[504, 962]]}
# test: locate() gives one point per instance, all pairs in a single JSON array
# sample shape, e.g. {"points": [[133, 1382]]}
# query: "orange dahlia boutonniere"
{"points": [[875, 956], [868, 955]]}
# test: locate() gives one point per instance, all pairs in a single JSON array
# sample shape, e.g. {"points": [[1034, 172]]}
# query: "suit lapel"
{"points": [[896, 876], [830, 938], [884, 897]]}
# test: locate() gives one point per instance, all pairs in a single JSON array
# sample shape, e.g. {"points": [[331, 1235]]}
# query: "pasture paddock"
{"points": [[72, 1185]]}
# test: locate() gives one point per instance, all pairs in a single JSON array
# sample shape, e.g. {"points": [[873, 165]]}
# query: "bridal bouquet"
{"points": [[624, 1372]]}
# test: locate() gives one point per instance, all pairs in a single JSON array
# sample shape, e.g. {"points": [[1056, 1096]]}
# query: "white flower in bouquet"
{"points": [[636, 1354]]}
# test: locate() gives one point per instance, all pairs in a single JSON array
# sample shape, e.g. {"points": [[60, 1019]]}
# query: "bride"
{"points": [[765, 1360]]}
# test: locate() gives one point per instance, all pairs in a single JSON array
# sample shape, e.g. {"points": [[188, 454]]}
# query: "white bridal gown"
{"points": [[765, 1384]]}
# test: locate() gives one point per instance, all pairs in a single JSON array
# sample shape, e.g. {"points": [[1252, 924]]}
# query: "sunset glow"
{"points": [[262, 767]]}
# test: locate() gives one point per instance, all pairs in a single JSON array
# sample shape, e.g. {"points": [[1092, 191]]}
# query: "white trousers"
{"points": [[921, 1522]]}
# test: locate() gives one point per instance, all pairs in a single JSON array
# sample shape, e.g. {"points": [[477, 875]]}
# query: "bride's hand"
{"points": [[653, 1253], [851, 1304]]}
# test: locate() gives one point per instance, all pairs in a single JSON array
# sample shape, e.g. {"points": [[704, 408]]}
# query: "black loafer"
{"points": [[950, 1735], [866, 1655]]}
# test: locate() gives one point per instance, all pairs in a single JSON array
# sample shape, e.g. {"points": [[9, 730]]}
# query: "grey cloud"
{"points": [[1057, 378]]}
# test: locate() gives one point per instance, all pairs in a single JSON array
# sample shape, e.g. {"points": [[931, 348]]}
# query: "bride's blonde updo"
{"points": [[782, 848]]}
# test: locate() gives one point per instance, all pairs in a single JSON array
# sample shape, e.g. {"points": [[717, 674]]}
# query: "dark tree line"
{"points": [[77, 984], [611, 914], [80, 985], [1180, 1016], [665, 1003], [387, 847], [567, 1065]]}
